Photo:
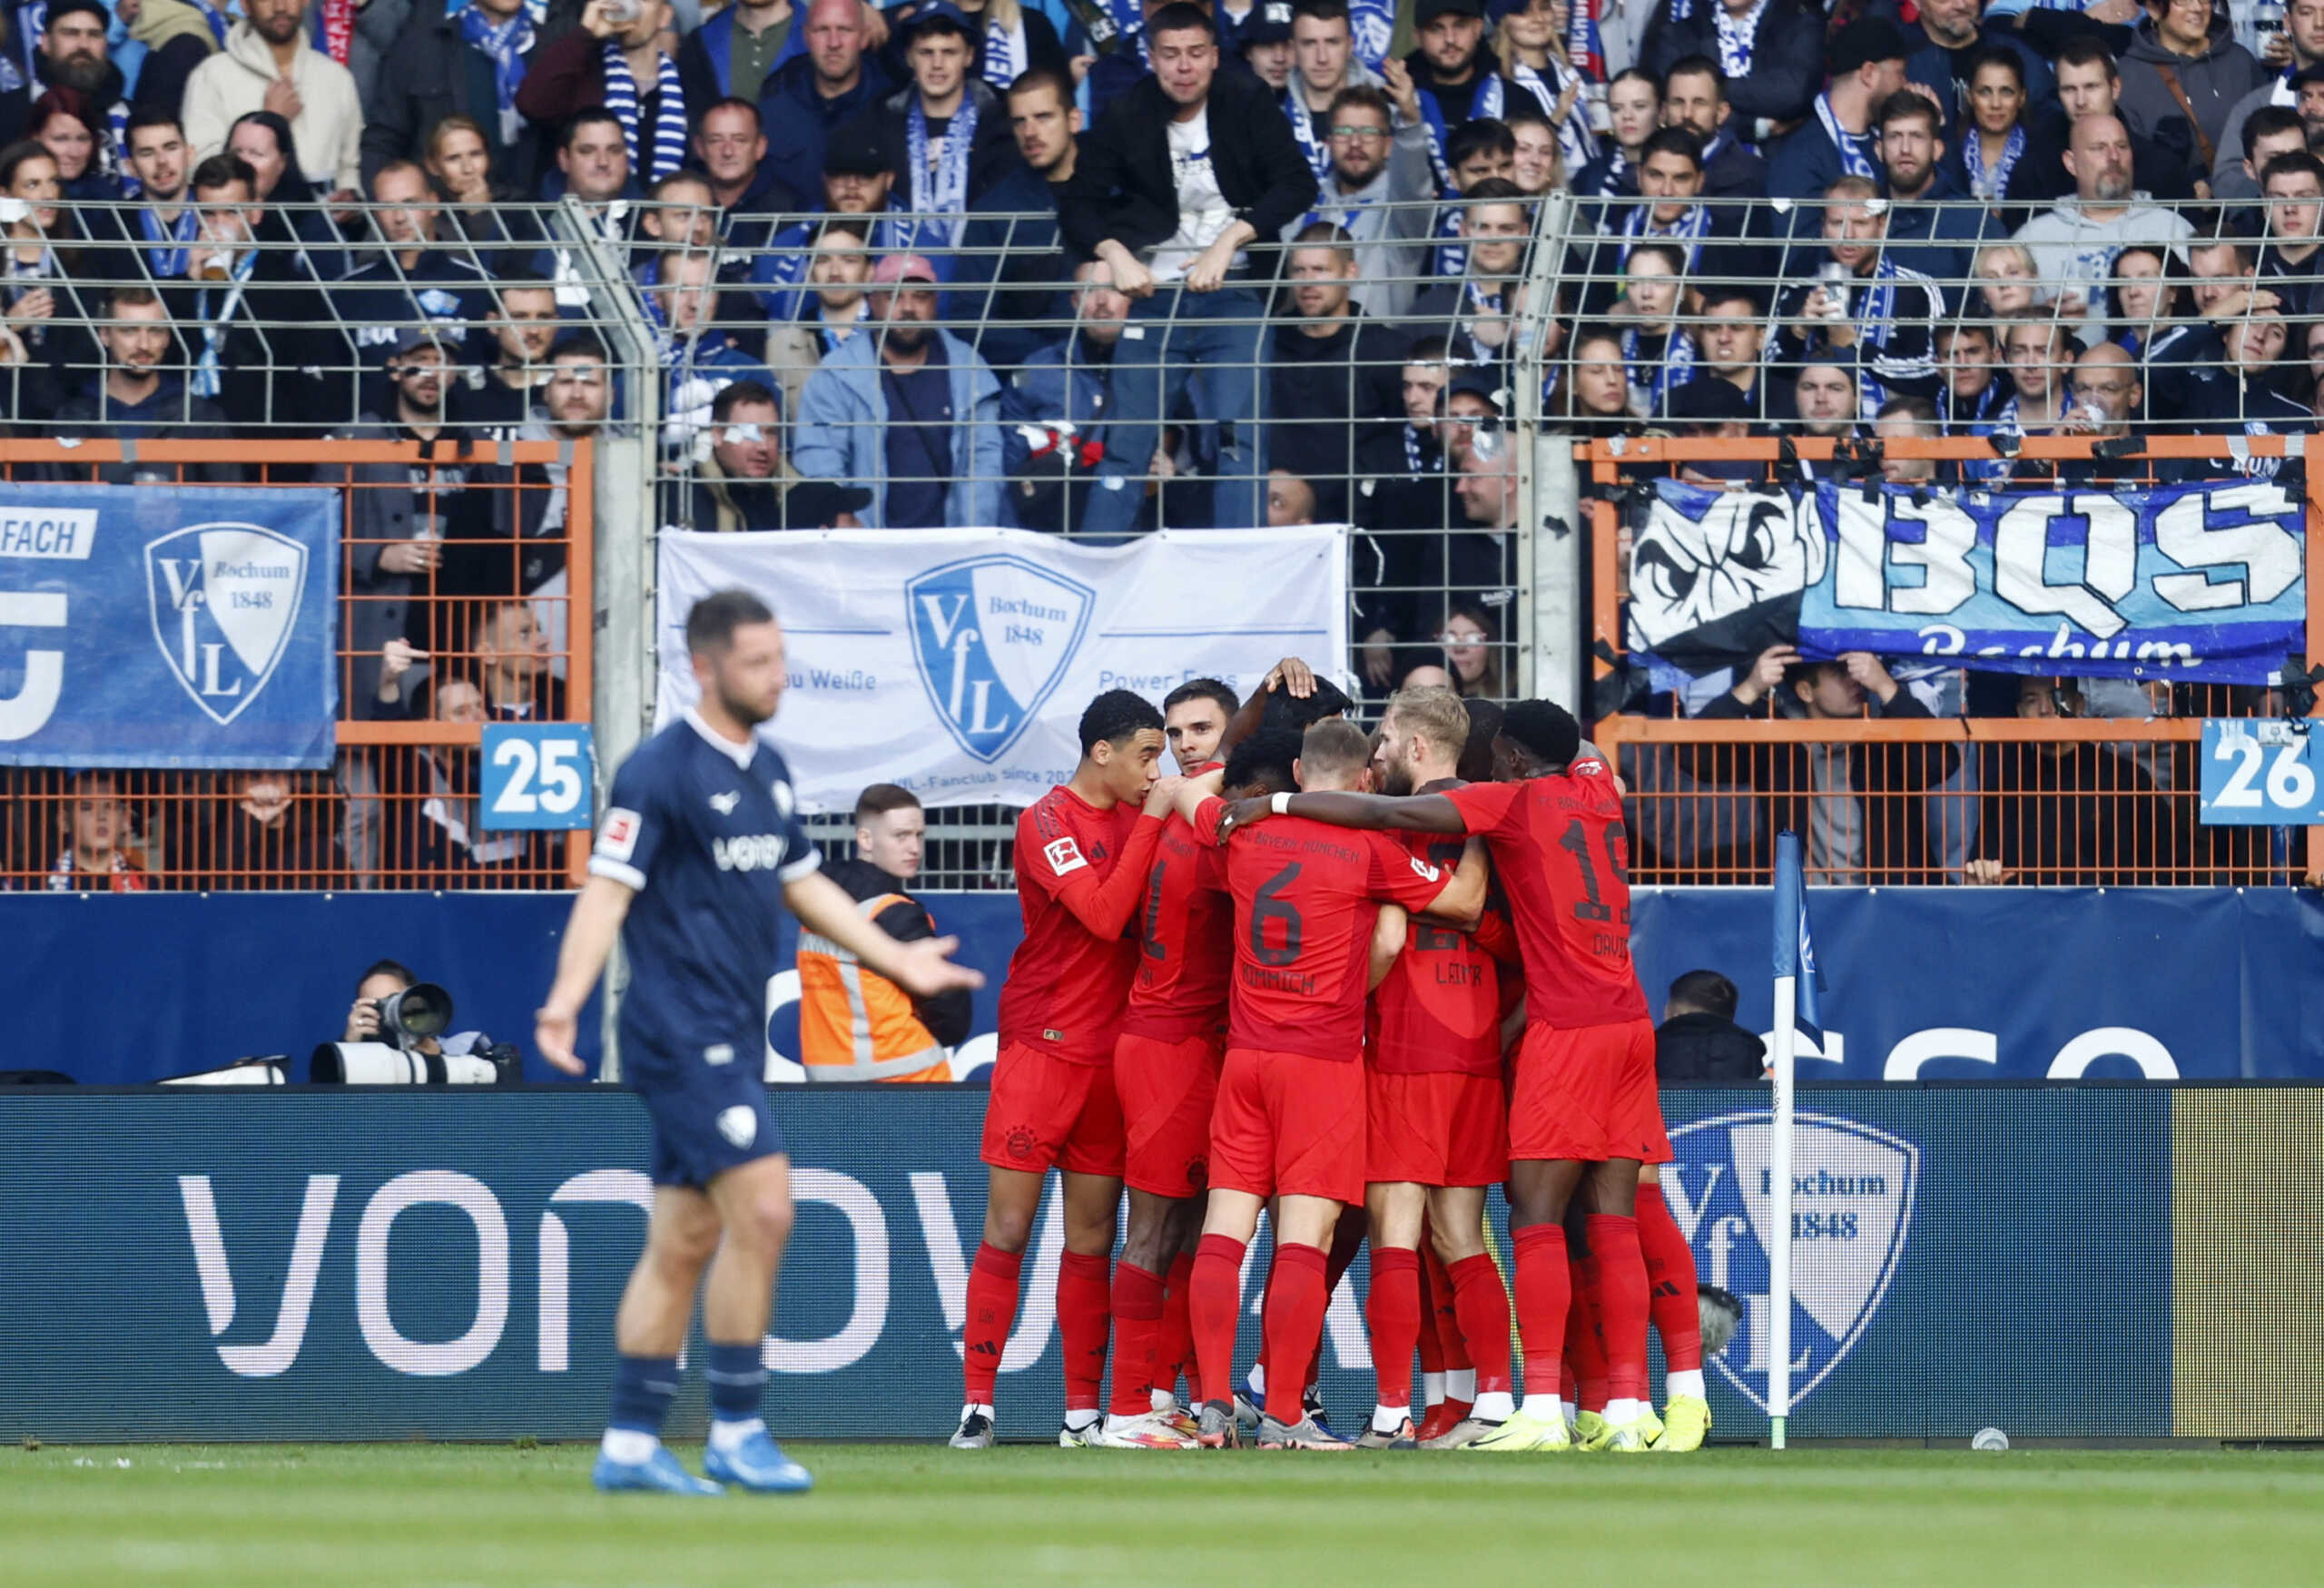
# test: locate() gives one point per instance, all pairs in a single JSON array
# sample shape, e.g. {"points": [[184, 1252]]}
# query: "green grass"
{"points": [[908, 1514]]}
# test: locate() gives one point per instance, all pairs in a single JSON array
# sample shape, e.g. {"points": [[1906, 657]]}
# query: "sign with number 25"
{"points": [[538, 775], [2261, 772]]}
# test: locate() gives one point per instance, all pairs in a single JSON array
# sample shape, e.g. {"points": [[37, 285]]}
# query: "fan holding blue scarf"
{"points": [[1864, 304], [614, 59], [945, 135]]}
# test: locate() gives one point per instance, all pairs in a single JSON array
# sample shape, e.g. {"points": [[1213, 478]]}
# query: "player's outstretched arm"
{"points": [[1194, 792], [589, 934], [1290, 674], [1410, 812], [1461, 902], [922, 968]]}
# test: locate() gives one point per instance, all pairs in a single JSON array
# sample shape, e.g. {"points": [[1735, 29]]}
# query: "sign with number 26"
{"points": [[2260, 771], [538, 775]]}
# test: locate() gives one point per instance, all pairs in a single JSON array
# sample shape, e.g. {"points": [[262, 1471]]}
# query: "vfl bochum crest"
{"points": [[224, 599], [1852, 1212], [991, 637]]}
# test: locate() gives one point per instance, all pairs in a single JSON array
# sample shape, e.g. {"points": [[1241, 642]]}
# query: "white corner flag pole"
{"points": [[1779, 1220], [1788, 967]]}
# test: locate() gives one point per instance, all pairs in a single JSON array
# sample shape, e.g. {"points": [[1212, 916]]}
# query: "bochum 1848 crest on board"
{"points": [[224, 598], [1852, 1191], [991, 637]]}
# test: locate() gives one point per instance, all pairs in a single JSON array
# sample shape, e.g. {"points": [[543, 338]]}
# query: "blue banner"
{"points": [[389, 1264], [1917, 983], [2194, 581], [146, 625]]}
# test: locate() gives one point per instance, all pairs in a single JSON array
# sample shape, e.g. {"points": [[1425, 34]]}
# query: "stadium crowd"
{"points": [[1121, 266]]}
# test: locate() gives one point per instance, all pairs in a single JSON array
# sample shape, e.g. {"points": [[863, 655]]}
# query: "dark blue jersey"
{"points": [[708, 835]]}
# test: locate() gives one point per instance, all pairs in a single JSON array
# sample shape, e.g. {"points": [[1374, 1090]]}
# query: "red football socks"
{"points": [[1138, 1329], [1293, 1323], [1175, 1354], [1544, 1292], [1442, 1294], [992, 1312], [1082, 1322], [1585, 1338], [1432, 1348], [1215, 1305], [1621, 1302], [1392, 1313], [1670, 1282], [1484, 1309]]}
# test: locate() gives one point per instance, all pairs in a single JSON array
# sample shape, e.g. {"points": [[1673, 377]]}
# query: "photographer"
{"points": [[383, 980]]}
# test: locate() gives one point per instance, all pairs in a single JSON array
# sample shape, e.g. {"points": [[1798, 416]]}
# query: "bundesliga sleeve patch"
{"points": [[1064, 856], [1422, 870], [617, 839]]}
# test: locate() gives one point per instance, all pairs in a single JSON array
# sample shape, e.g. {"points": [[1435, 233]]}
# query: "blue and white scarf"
{"points": [[669, 150], [1855, 148], [1876, 322], [170, 263], [1674, 368], [1973, 155], [507, 46], [1737, 37], [1452, 257], [213, 330], [1318, 151], [945, 190], [1689, 232], [1484, 103], [1005, 52], [1576, 141]]}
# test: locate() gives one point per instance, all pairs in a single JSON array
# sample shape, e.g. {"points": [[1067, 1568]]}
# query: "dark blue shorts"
{"points": [[707, 1118]]}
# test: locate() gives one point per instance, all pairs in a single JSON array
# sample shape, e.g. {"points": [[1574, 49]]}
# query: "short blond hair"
{"points": [[1435, 713], [1334, 745]]}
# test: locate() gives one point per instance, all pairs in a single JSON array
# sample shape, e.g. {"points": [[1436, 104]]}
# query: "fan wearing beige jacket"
{"points": [[268, 63]]}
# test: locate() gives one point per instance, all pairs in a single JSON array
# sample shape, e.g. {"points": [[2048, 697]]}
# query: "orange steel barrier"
{"points": [[467, 625], [2030, 799]]}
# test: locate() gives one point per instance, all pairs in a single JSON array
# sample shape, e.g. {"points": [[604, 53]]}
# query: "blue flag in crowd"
{"points": [[1794, 943]]}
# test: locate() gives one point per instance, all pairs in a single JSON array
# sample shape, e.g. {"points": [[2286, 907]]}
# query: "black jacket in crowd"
{"points": [[1706, 1047], [1123, 190]]}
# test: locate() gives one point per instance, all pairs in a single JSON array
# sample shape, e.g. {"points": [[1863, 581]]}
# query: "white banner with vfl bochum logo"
{"points": [[144, 625], [957, 662]]}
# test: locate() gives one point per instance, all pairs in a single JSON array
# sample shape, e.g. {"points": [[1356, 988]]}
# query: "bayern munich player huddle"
{"points": [[1347, 981], [1353, 981]]}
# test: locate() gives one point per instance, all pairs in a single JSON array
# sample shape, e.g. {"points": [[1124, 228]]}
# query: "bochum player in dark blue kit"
{"points": [[700, 850]]}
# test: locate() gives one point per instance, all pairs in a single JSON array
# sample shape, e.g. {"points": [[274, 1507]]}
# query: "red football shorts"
{"points": [[1288, 1123], [1586, 1093], [1045, 1112], [1439, 1128], [1167, 1091]]}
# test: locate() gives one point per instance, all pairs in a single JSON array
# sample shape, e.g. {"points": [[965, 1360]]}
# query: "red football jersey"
{"points": [[1186, 950], [1440, 1008], [1307, 897], [1563, 860], [1081, 872]]}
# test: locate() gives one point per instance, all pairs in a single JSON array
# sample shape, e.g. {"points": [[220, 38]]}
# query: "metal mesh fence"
{"points": [[1385, 364]]}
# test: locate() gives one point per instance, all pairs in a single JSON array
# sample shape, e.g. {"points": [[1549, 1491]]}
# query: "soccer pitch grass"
{"points": [[442, 1514]]}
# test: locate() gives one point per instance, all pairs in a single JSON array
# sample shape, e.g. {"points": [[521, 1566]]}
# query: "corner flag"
{"points": [[1794, 943]]}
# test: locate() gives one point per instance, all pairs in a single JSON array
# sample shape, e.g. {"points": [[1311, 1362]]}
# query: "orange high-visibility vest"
{"points": [[855, 1024]]}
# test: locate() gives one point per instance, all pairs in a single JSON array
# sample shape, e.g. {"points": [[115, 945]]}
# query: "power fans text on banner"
{"points": [[142, 625], [2185, 581]]}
